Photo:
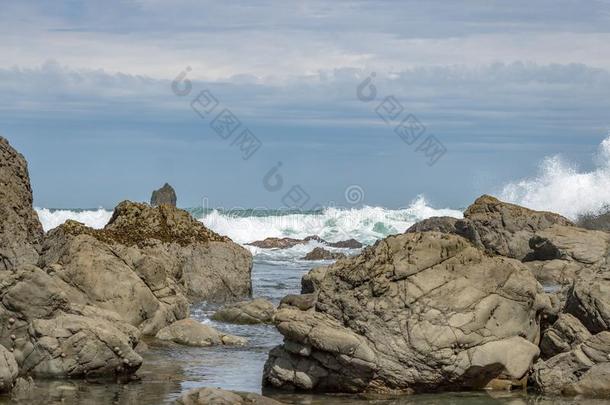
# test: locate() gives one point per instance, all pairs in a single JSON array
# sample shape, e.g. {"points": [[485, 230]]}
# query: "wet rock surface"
{"points": [[190, 332], [286, 243]]}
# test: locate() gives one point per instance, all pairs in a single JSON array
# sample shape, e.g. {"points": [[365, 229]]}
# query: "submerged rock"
{"points": [[164, 195], [217, 396], [189, 332], [247, 312], [21, 233], [323, 254], [415, 312]]}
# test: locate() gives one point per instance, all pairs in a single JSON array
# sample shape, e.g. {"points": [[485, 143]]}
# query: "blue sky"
{"points": [[85, 94]]}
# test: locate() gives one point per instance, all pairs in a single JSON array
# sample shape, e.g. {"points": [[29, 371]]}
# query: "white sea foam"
{"points": [[365, 224], [561, 187], [53, 218]]}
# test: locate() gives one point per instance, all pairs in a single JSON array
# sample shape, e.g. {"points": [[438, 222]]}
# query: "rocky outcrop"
{"points": [[52, 332], [563, 336], [434, 224], [323, 254], [148, 263], [189, 332], [216, 396], [311, 280], [164, 195], [247, 312], [21, 233], [415, 312], [589, 301], [582, 371], [8, 370], [286, 243]]}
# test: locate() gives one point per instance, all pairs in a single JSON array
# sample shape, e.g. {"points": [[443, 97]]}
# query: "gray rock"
{"points": [[164, 195], [583, 370], [302, 302], [311, 280], [8, 370], [21, 233], [598, 222], [415, 312], [216, 396], [323, 254], [346, 244], [189, 332], [247, 312], [589, 301]]}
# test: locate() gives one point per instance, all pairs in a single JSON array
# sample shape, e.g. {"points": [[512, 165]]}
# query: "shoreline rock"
{"points": [[217, 396], [252, 312], [189, 332], [286, 243], [323, 254], [164, 195]]}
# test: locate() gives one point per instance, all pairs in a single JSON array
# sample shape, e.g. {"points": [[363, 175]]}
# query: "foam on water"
{"points": [[560, 187], [93, 218]]}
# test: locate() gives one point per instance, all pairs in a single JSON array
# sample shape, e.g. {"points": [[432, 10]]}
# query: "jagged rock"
{"points": [[434, 224], [154, 259], [164, 195], [285, 243], [54, 333], [583, 370], [8, 370], [21, 233], [247, 312], [346, 244], [189, 332], [502, 228], [323, 254], [589, 301], [216, 396], [565, 334], [415, 312]]}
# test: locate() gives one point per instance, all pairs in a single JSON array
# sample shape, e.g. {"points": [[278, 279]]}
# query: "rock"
{"points": [[565, 334], [21, 233], [52, 332], [502, 228], [598, 222], [286, 243], [311, 280], [23, 390], [570, 243], [323, 254], [247, 312], [583, 370], [589, 301], [216, 396], [155, 259], [435, 224], [189, 332], [8, 370], [346, 244], [302, 302], [164, 195], [415, 312]]}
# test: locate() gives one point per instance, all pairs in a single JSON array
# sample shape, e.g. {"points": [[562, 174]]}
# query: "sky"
{"points": [[99, 97]]}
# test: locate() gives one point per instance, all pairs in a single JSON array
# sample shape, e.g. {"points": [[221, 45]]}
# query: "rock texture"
{"points": [[247, 312], [563, 336], [164, 195], [216, 396], [189, 332], [285, 243], [155, 259], [8, 370], [21, 233], [415, 312], [323, 254], [584, 370], [599, 222]]}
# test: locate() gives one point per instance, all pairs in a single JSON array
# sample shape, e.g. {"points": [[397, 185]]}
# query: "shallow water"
{"points": [[170, 370]]}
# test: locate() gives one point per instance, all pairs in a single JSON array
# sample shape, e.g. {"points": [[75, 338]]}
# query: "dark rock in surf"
{"points": [[164, 195], [323, 254]]}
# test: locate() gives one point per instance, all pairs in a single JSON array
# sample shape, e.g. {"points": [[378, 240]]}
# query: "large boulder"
{"points": [[217, 396], [189, 332], [415, 312], [164, 195], [252, 312], [52, 332], [584, 370], [8, 370], [148, 263], [21, 233]]}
